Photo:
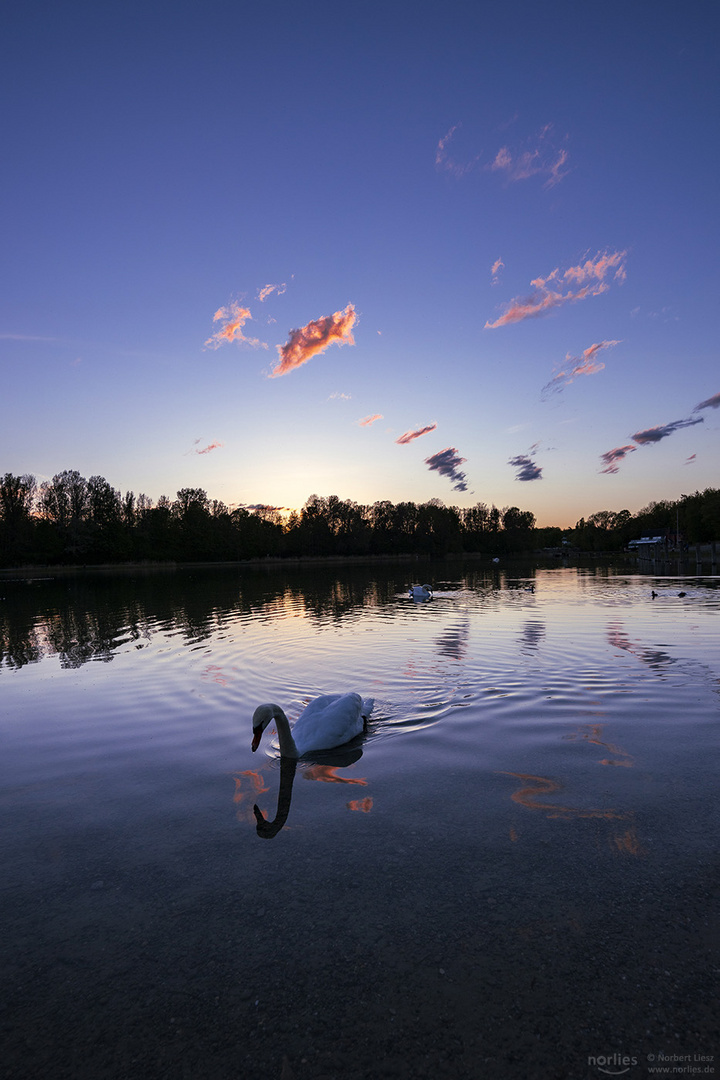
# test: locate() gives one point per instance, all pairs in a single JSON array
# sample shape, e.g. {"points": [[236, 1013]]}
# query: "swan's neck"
{"points": [[267, 829], [287, 743]]}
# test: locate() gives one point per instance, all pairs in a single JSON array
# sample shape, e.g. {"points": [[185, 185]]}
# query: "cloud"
{"points": [[711, 403], [266, 290], [409, 436], [690, 459], [26, 337], [234, 318], [341, 396], [263, 507], [497, 266], [530, 163], [448, 164], [612, 458], [541, 157], [527, 469], [648, 437], [586, 364], [368, 420], [211, 446], [537, 156], [549, 294], [655, 434], [446, 462], [315, 338]]}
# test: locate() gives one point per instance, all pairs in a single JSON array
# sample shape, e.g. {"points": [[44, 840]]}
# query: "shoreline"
{"points": [[275, 562]]}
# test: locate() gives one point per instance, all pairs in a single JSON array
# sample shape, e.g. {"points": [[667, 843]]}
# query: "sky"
{"points": [[381, 251]]}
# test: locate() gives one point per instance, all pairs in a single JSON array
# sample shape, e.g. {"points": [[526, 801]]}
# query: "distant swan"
{"points": [[420, 592], [328, 721]]}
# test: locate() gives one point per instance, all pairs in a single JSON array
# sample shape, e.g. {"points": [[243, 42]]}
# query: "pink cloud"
{"points": [[234, 318], [549, 290], [497, 266], [445, 162], [612, 458], [540, 158], [368, 420], [314, 338], [586, 364], [211, 446], [711, 403], [503, 159], [409, 436], [268, 289]]}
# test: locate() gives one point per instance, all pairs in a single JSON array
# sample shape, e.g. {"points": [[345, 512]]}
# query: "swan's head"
{"points": [[263, 715]]}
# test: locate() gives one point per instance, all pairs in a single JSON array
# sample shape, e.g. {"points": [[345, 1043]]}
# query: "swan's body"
{"points": [[328, 721], [420, 592]]}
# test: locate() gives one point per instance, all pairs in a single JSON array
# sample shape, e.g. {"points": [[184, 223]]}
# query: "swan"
{"points": [[328, 721], [420, 592]]}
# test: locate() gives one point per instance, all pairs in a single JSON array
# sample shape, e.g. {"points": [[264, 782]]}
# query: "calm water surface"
{"points": [[512, 875]]}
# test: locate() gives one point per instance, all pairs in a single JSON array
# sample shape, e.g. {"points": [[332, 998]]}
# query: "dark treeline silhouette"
{"points": [[77, 521], [70, 520], [692, 519]]}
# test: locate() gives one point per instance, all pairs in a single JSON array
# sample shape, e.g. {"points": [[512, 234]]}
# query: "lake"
{"points": [[512, 874]]}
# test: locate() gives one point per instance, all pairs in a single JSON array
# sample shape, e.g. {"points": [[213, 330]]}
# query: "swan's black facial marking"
{"points": [[257, 735]]}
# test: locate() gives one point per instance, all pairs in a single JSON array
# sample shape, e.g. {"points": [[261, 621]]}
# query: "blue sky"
{"points": [[166, 163]]}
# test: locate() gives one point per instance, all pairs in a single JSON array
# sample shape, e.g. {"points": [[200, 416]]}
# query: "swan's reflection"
{"points": [[323, 766]]}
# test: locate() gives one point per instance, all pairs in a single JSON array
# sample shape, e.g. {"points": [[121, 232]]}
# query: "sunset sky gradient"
{"points": [[467, 253]]}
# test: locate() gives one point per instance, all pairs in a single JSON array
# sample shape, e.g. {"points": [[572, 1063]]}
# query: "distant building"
{"points": [[644, 541]]}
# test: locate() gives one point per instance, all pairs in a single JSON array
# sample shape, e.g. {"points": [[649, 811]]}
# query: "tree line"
{"points": [[74, 520], [691, 519], [78, 521]]}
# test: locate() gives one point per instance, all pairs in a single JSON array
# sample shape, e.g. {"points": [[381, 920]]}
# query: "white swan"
{"points": [[420, 592], [328, 721]]}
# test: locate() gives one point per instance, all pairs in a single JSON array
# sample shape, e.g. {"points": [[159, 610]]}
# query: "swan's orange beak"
{"points": [[257, 735]]}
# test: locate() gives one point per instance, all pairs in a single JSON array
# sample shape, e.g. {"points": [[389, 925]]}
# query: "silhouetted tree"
{"points": [[17, 495]]}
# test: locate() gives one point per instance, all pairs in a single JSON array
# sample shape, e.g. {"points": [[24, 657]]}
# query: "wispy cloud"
{"points": [[585, 364], [586, 279], [205, 450], [263, 507], [315, 338], [26, 337], [233, 318], [711, 403], [612, 458], [368, 420], [447, 463], [527, 469], [340, 396], [447, 163], [497, 266], [689, 460], [266, 290], [539, 157], [655, 434], [410, 436]]}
